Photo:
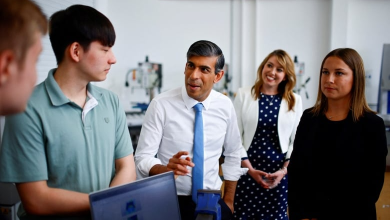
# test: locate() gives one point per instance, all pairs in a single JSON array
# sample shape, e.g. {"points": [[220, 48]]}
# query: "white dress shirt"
{"points": [[168, 128]]}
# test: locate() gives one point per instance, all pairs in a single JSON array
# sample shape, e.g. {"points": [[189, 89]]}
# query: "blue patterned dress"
{"points": [[251, 200]]}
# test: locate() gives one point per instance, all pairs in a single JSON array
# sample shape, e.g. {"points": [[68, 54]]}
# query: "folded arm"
{"points": [[39, 199]]}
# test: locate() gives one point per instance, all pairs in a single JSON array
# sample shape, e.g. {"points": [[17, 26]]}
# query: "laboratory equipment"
{"points": [[303, 87], [146, 76], [223, 86], [384, 88], [142, 84], [299, 74]]}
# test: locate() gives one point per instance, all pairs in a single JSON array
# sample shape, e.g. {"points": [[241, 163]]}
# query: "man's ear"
{"points": [[74, 51], [219, 76], [7, 65]]}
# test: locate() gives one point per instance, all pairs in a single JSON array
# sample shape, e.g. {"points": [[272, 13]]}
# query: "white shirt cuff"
{"points": [[232, 173]]}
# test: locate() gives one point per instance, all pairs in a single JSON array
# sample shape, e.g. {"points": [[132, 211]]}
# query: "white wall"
{"points": [[368, 29], [246, 30], [163, 30], [301, 28]]}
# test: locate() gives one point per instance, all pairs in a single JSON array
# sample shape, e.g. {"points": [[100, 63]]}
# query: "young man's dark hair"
{"points": [[82, 24]]}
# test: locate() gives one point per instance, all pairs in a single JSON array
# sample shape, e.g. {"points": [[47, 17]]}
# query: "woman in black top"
{"points": [[337, 166]]}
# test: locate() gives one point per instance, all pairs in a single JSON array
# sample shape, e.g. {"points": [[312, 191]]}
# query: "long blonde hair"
{"points": [[285, 88], [358, 103]]}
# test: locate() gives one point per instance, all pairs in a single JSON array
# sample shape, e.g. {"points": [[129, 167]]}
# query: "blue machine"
{"points": [[208, 207]]}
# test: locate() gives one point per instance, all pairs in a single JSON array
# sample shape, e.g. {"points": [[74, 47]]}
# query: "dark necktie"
{"points": [[198, 158]]}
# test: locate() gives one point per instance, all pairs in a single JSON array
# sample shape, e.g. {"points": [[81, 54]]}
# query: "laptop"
{"points": [[145, 199]]}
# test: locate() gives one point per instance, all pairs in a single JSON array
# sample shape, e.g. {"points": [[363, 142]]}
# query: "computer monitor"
{"points": [[145, 199]]}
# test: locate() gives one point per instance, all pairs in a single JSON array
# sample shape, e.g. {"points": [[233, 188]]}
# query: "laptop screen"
{"points": [[150, 198]]}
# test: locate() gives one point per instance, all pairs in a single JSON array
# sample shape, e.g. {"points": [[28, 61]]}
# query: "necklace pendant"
{"points": [[271, 103]]}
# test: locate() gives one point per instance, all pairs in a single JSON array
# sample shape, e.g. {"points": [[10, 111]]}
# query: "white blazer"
{"points": [[247, 110]]}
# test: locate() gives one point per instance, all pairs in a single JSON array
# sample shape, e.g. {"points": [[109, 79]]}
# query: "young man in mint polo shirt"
{"points": [[73, 137]]}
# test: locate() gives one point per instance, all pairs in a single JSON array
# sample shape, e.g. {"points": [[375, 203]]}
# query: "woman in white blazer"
{"points": [[268, 114]]}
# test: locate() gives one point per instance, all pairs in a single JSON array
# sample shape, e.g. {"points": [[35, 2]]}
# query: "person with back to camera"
{"points": [[73, 137], [268, 114], [339, 159], [22, 25], [168, 131]]}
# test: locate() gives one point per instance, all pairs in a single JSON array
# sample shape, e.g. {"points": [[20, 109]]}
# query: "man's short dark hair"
{"points": [[82, 24], [206, 48]]}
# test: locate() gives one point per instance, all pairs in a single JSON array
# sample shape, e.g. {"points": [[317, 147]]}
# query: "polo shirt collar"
{"points": [[190, 102], [54, 91], [96, 93], [57, 97]]}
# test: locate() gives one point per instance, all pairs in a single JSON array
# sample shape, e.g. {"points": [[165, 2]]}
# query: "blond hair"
{"points": [[285, 88]]}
